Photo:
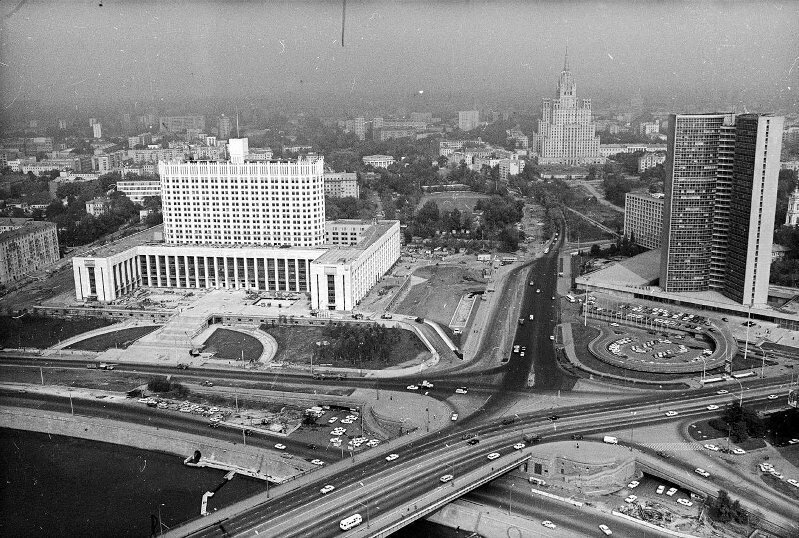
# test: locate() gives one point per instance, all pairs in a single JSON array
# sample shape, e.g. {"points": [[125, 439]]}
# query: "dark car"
{"points": [[474, 441], [553, 417], [311, 446], [577, 436]]}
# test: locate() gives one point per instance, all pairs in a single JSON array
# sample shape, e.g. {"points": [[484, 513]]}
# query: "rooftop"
{"points": [[34, 226], [641, 270], [346, 254]]}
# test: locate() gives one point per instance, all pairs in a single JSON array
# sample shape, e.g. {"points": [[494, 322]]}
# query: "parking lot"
{"points": [[660, 499]]}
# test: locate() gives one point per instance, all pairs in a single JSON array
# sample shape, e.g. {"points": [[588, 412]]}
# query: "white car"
{"points": [[634, 484], [412, 387], [332, 420], [660, 490], [453, 416], [776, 474], [793, 442], [318, 462], [551, 337], [671, 413], [685, 502], [702, 472], [461, 390], [519, 446], [538, 291], [722, 391], [548, 524], [738, 451], [373, 443], [493, 455], [671, 492], [606, 530], [531, 317], [347, 421], [772, 396], [327, 489], [392, 457], [712, 407], [446, 478], [214, 410], [280, 446], [426, 384], [714, 448], [631, 499]]}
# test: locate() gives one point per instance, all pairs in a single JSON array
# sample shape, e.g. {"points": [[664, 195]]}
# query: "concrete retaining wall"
{"points": [[148, 438]]}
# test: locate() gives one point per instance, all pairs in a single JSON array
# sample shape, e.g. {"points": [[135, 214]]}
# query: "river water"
{"points": [[62, 486]]}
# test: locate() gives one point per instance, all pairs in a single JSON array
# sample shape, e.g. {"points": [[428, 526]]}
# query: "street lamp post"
{"points": [[741, 399], [367, 512], [704, 368], [510, 499]]}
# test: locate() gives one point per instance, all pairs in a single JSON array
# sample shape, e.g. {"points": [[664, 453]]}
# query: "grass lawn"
{"points": [[790, 453], [780, 485], [702, 431], [583, 335], [233, 345], [297, 344], [43, 332], [118, 339]]}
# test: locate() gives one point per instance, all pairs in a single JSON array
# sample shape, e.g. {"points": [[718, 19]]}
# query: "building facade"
{"points": [[643, 218], [336, 276], [177, 124], [341, 184], [138, 190], [238, 202], [650, 160], [468, 119], [566, 133], [719, 204], [378, 161], [223, 127], [97, 207], [792, 216], [27, 249]]}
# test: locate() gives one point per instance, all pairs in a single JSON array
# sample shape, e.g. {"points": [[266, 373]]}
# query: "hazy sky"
{"points": [[138, 49]]}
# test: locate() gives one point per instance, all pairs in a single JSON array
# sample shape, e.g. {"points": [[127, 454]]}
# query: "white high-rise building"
{"points": [[97, 130], [238, 202], [566, 133], [227, 225]]}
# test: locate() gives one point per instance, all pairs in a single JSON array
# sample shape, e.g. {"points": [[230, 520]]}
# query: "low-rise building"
{"points": [[378, 161], [650, 160], [27, 249], [336, 275], [139, 189], [98, 207], [341, 184], [12, 223]]}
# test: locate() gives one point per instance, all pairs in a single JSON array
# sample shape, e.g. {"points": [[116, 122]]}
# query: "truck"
{"points": [[610, 440]]}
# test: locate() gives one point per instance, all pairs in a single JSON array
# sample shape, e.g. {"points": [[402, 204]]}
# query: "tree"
{"points": [[509, 237]]}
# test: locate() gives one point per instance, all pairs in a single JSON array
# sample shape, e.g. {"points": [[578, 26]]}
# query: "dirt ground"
{"points": [[447, 201], [437, 289]]}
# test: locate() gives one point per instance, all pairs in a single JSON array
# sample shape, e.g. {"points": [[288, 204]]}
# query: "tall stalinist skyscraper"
{"points": [[566, 134]]}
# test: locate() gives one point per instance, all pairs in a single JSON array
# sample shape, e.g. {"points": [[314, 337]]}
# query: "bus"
{"points": [[713, 380], [744, 374], [349, 522]]}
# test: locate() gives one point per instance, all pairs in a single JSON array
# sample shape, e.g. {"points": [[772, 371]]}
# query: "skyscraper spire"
{"points": [[566, 59]]}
